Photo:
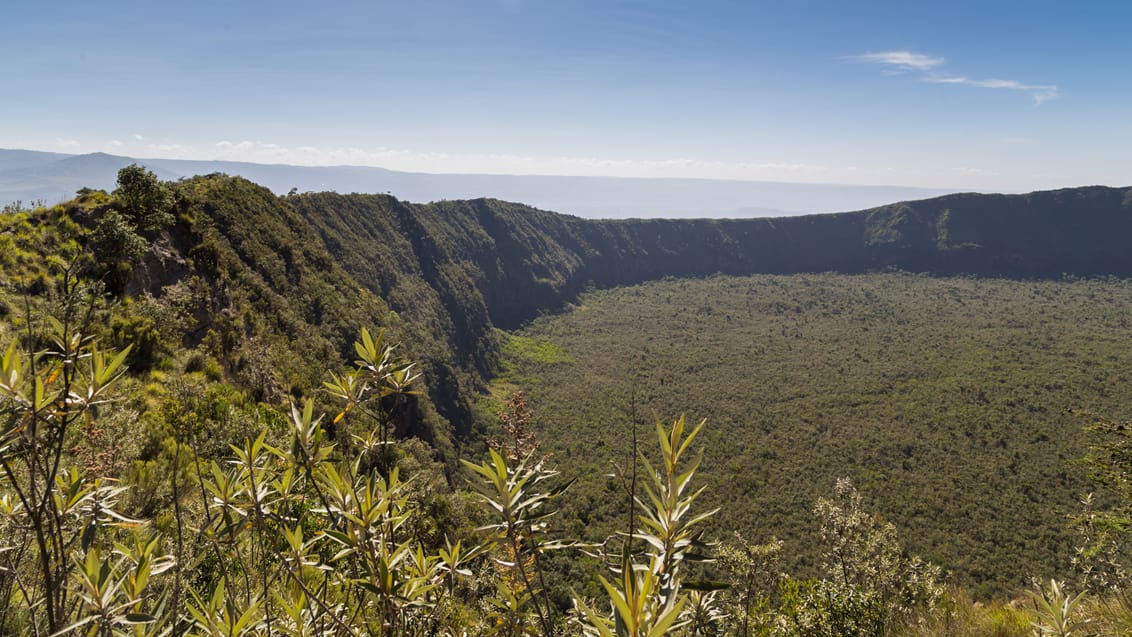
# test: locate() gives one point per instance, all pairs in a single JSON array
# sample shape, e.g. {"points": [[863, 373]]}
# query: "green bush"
{"points": [[114, 239], [145, 199]]}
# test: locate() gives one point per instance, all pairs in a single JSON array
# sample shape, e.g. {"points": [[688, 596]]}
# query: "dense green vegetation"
{"points": [[192, 442], [945, 400]]}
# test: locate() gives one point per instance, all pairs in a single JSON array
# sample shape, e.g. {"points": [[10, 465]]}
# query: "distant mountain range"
{"points": [[33, 175]]}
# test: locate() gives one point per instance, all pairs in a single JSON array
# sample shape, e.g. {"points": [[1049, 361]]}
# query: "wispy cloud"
{"points": [[900, 60], [927, 66], [1040, 92], [972, 171]]}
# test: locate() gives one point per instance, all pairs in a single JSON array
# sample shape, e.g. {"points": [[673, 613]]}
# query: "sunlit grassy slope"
{"points": [[945, 399]]}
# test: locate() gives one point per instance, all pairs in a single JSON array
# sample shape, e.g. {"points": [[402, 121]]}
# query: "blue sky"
{"points": [[1004, 95]]}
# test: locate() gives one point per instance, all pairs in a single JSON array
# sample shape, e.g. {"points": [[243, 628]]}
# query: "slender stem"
{"points": [[517, 550], [318, 600], [632, 522], [180, 533], [31, 499], [40, 539], [542, 584], [748, 582], [259, 527]]}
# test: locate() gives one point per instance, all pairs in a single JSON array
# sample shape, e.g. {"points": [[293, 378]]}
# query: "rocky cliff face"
{"points": [[452, 271]]}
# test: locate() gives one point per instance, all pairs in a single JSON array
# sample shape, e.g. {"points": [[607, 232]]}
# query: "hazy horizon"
{"points": [[30, 175]]}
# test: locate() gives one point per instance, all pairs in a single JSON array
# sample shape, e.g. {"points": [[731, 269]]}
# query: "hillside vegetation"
{"points": [[225, 412]]}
